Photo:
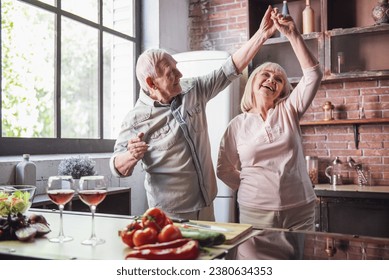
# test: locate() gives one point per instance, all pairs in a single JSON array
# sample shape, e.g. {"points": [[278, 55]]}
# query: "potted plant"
{"points": [[77, 167]]}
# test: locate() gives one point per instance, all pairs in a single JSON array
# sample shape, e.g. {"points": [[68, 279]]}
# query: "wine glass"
{"points": [[60, 190], [92, 190]]}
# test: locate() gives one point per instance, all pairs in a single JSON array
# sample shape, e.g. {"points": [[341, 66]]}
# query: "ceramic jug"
{"points": [[333, 172]]}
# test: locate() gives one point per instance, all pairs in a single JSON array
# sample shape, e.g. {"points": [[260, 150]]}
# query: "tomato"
{"points": [[128, 232], [145, 236], [155, 218], [169, 233], [134, 225], [168, 221], [127, 237]]}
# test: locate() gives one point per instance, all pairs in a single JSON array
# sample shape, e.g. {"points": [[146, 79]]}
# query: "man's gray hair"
{"points": [[147, 64]]}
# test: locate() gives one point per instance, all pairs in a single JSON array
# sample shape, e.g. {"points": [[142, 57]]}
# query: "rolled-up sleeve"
{"points": [[228, 164]]}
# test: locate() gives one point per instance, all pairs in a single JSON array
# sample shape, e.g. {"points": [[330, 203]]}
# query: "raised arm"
{"points": [[287, 26], [246, 53]]}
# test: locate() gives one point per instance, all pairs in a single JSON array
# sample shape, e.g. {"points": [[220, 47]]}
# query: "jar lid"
{"points": [[310, 157]]}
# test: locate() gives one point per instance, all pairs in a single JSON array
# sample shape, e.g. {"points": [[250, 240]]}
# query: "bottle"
{"points": [[285, 8], [308, 18], [26, 172], [340, 62], [284, 12]]}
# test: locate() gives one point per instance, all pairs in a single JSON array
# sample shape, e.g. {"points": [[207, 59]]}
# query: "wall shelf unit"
{"points": [[354, 122], [343, 29]]}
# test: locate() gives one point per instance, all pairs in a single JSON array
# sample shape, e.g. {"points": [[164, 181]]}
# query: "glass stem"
{"points": [[93, 210], [61, 233]]}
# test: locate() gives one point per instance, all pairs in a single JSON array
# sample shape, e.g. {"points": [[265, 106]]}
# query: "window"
{"points": [[67, 74]]}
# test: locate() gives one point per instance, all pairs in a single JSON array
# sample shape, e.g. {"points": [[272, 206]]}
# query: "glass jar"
{"points": [[328, 111], [313, 168]]}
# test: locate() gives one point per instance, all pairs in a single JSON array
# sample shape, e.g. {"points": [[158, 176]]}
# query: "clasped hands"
{"points": [[273, 20]]}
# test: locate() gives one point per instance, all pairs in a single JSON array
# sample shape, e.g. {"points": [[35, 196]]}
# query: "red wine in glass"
{"points": [[60, 190], [92, 191]]}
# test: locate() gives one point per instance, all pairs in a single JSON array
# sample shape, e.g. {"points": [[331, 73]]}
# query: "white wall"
{"points": [[165, 25]]}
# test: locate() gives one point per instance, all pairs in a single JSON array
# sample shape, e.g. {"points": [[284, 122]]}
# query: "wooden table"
{"points": [[78, 225]]}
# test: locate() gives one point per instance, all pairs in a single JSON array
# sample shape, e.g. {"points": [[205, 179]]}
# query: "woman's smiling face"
{"points": [[268, 84]]}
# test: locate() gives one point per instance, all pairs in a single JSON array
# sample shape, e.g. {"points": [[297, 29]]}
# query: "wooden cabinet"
{"points": [[353, 212], [346, 40]]}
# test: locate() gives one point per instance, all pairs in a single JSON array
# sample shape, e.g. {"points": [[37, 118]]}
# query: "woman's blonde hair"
{"points": [[247, 100], [147, 65]]}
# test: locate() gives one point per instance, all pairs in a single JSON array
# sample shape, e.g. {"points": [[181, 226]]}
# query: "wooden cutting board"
{"points": [[236, 230]]}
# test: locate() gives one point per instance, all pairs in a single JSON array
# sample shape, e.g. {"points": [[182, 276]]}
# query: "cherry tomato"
{"points": [[134, 225], [155, 218], [145, 236], [128, 232], [127, 237], [169, 233]]}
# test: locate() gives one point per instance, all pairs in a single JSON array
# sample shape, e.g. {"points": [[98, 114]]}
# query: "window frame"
{"points": [[58, 145]]}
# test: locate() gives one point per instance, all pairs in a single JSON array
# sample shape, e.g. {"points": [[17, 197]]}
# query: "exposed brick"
{"points": [[342, 93], [221, 2], [224, 21], [218, 15], [230, 7], [233, 26], [328, 86], [374, 91], [360, 84], [218, 28], [237, 12], [384, 83]]}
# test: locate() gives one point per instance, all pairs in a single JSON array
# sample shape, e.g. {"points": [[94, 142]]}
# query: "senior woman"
{"points": [[167, 129], [261, 153]]}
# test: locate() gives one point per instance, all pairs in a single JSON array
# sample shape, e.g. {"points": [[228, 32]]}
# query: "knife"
{"points": [[207, 227]]}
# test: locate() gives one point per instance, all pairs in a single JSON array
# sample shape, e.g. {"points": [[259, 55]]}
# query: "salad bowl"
{"points": [[15, 199]]}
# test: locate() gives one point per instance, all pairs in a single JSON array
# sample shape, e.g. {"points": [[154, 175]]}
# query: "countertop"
{"points": [[380, 192], [256, 244], [280, 244], [78, 225]]}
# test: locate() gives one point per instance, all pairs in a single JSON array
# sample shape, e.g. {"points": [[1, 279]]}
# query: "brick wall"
{"points": [[322, 247], [222, 25], [217, 24], [327, 142]]}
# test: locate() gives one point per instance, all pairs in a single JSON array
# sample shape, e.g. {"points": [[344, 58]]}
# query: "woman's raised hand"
{"points": [[267, 26], [284, 24]]}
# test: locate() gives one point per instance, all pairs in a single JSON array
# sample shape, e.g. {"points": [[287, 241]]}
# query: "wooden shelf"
{"points": [[346, 122], [354, 122], [355, 35]]}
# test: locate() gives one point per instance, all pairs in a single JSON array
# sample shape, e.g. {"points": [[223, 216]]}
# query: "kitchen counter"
{"points": [[279, 244], [352, 191], [253, 244], [354, 210], [78, 225]]}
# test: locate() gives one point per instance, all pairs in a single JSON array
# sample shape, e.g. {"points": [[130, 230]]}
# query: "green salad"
{"points": [[16, 202]]}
